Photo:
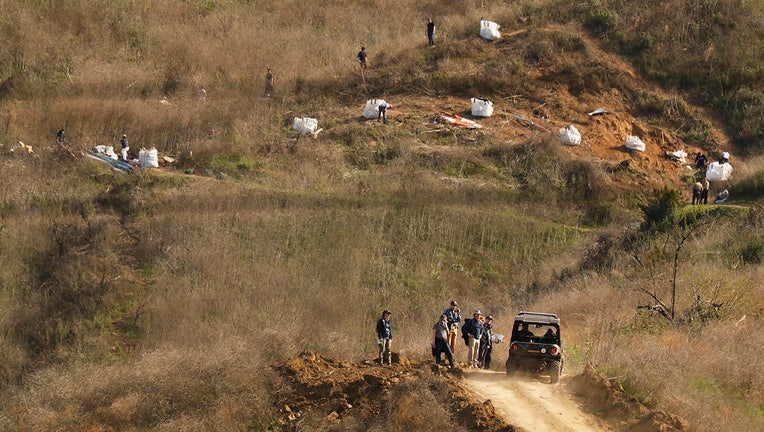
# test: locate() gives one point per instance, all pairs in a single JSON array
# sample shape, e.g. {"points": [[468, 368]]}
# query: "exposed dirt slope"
{"points": [[553, 98], [323, 394]]}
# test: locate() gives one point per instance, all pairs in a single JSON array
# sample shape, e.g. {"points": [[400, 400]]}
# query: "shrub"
{"points": [[659, 209]]}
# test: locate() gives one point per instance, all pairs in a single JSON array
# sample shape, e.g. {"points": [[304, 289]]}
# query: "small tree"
{"points": [[662, 221]]}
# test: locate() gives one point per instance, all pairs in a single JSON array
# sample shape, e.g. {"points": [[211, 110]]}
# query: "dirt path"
{"points": [[533, 405]]}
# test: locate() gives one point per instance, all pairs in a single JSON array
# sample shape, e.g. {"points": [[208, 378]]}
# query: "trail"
{"points": [[530, 404]]}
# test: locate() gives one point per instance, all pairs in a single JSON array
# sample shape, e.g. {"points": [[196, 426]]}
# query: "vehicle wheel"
{"points": [[555, 368], [511, 367]]}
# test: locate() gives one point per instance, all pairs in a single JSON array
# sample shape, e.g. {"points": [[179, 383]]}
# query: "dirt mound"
{"points": [[317, 393], [326, 394], [622, 411]]}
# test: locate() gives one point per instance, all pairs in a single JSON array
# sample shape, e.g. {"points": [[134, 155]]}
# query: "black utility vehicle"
{"points": [[535, 345]]}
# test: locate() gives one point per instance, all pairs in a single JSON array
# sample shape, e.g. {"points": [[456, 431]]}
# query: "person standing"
{"points": [[382, 111], [697, 188], [60, 135], [440, 342], [474, 339], [125, 146], [202, 93], [384, 338], [700, 161], [486, 343], [268, 82], [704, 192], [454, 317], [430, 32], [362, 56]]}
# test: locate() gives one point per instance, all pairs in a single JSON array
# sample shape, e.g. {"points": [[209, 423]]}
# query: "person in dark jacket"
{"points": [[430, 32], [125, 146], [382, 111], [486, 344], [454, 317], [362, 56], [60, 135], [700, 161], [384, 338], [440, 342]]}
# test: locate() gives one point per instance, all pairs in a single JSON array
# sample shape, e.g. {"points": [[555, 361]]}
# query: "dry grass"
{"points": [[156, 301]]}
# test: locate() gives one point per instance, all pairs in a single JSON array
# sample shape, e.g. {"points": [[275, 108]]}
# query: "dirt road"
{"points": [[532, 405]]}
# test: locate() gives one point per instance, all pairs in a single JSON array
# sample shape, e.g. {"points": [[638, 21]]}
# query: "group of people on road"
{"points": [[476, 331]]}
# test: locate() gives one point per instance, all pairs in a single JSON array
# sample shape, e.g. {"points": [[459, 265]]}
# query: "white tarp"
{"points": [[718, 171], [489, 30], [305, 125], [148, 158], [569, 135], [481, 107], [634, 143], [371, 110]]}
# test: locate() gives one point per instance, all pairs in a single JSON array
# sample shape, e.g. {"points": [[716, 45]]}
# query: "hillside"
{"points": [[237, 286]]}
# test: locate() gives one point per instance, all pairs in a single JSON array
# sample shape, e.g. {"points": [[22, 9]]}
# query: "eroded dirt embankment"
{"points": [[320, 393]]}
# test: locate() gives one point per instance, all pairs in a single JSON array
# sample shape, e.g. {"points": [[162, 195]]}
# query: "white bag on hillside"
{"points": [[569, 135], [718, 171], [634, 143], [371, 110], [489, 30], [148, 158], [305, 125], [481, 107]]}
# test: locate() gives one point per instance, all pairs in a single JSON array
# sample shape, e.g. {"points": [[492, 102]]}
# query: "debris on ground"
{"points": [[528, 122], [106, 155], [459, 121], [21, 148], [679, 156], [599, 111]]}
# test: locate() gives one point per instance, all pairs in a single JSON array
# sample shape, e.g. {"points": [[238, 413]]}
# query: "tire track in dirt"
{"points": [[531, 405]]}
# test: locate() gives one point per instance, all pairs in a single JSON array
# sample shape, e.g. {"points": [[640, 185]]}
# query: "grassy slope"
{"points": [[123, 294]]}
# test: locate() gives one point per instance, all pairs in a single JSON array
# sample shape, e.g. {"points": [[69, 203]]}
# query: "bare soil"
{"points": [[318, 393]]}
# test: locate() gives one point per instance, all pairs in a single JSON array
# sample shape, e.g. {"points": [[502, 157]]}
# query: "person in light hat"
{"points": [[476, 330]]}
